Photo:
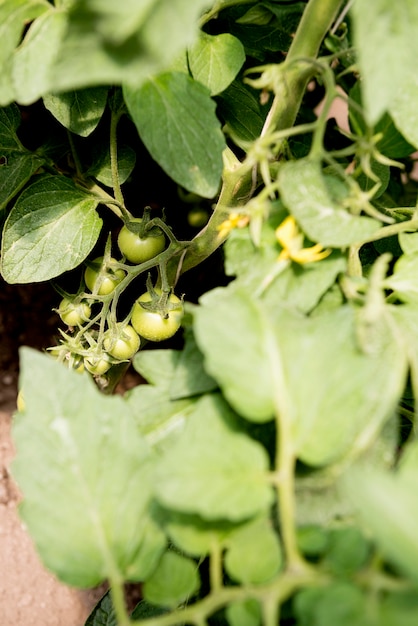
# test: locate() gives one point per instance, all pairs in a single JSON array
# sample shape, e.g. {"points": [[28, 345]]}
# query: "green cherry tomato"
{"points": [[108, 282], [123, 343], [153, 326], [97, 365], [138, 250], [74, 314]]}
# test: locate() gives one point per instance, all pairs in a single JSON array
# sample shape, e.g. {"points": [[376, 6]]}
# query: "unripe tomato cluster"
{"points": [[86, 344]]}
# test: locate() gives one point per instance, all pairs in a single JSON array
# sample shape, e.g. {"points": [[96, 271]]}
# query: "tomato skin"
{"points": [[153, 326], [97, 365], [74, 314], [124, 345], [137, 249], [110, 279]]}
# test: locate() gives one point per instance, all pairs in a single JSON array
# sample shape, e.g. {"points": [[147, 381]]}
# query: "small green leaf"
{"points": [[214, 470], [174, 580], [50, 230], [244, 613], [17, 164], [93, 481], [79, 111], [194, 535], [176, 120], [339, 603], [404, 280], [103, 613], [215, 60], [253, 554], [306, 196]]}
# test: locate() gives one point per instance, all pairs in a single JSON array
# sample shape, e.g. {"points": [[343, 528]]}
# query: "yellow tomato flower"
{"points": [[291, 239], [235, 220]]}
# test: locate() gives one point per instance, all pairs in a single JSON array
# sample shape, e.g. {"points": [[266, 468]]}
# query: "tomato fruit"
{"points": [[151, 324], [97, 364], [108, 281], [74, 314], [137, 249], [123, 343]]}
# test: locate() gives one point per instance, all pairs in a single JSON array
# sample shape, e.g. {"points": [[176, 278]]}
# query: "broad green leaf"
{"points": [[101, 166], [339, 603], [305, 194], [190, 377], [385, 35], [215, 60], [14, 15], [50, 230], [194, 535], [241, 111], [244, 613], [403, 109], [213, 469], [34, 59], [408, 242], [253, 553], [174, 580], [17, 164], [404, 280], [288, 355], [232, 332], [93, 478], [160, 418], [123, 43], [79, 111], [176, 120], [387, 504]]}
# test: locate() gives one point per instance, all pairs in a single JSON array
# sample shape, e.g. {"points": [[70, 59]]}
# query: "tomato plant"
{"points": [[264, 472], [139, 249], [156, 325]]}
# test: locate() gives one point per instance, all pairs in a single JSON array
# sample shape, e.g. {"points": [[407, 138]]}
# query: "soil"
{"points": [[29, 594]]}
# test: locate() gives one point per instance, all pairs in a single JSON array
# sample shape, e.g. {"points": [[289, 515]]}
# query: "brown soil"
{"points": [[29, 594]]}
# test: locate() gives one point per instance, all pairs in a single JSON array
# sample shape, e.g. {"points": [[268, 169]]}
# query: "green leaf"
{"points": [[214, 470], [404, 111], [103, 613], [244, 613], [194, 535], [50, 230], [176, 120], [241, 110], [289, 355], [347, 551], [408, 242], [339, 603], [79, 111], [232, 332], [404, 280], [399, 609], [17, 164], [14, 16], [174, 580], [101, 166], [215, 60], [253, 554], [34, 59], [190, 378], [385, 35], [306, 196], [93, 478], [387, 504], [123, 43]]}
